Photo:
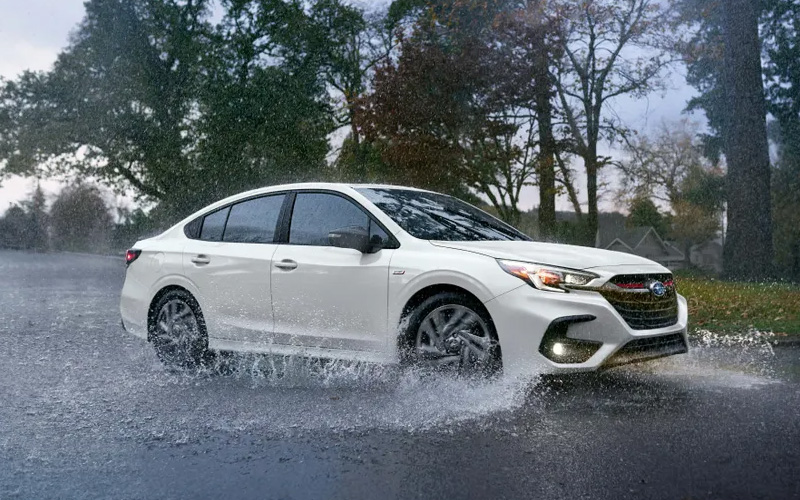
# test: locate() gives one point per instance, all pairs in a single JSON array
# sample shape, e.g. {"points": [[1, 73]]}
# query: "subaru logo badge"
{"points": [[658, 289]]}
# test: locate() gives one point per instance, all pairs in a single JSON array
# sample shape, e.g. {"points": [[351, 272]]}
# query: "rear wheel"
{"points": [[178, 332], [452, 332]]}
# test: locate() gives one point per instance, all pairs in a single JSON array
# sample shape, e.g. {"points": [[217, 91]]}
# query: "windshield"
{"points": [[432, 216]]}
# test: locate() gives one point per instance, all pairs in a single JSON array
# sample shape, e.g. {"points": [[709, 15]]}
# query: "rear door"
{"points": [[324, 296], [230, 265]]}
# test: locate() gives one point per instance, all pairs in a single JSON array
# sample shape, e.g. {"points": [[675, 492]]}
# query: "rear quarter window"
{"points": [[214, 225]]}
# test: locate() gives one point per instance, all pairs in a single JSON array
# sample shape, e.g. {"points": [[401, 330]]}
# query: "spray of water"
{"points": [[355, 395], [721, 360]]}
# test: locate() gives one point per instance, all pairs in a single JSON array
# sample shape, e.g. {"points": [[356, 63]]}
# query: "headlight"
{"points": [[550, 278]]}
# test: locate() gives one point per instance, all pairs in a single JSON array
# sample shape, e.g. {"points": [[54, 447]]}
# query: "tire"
{"points": [[451, 332], [178, 332]]}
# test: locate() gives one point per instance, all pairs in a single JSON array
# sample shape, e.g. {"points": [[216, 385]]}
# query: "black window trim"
{"points": [[286, 222], [202, 218], [281, 236]]}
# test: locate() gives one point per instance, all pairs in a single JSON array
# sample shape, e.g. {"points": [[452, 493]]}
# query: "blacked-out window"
{"points": [[315, 215], [254, 221], [214, 225], [192, 229], [376, 230]]}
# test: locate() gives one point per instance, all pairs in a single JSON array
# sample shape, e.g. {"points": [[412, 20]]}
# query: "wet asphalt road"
{"points": [[87, 412]]}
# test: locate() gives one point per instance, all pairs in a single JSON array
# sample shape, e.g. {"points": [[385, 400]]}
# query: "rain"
{"points": [[664, 130]]}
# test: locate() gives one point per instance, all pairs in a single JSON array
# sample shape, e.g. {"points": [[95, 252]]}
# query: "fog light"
{"points": [[559, 348]]}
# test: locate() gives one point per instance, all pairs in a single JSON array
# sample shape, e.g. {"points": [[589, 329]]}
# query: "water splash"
{"points": [[743, 360], [354, 395]]}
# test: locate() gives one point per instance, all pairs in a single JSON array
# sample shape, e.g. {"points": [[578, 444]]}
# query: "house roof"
{"points": [[612, 229], [630, 237], [611, 226]]}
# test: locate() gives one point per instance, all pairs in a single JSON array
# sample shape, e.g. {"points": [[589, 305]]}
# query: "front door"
{"points": [[329, 297]]}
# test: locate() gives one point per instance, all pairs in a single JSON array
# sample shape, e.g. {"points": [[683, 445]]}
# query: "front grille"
{"points": [[639, 307], [649, 348]]}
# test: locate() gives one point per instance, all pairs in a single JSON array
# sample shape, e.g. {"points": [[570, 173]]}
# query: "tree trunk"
{"points": [[546, 164], [567, 182], [748, 252], [591, 226]]}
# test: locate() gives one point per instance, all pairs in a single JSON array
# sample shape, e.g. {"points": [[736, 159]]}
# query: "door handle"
{"points": [[286, 265], [201, 259]]}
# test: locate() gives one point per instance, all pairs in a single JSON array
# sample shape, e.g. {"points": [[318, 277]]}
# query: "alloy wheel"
{"points": [[454, 337], [177, 336]]}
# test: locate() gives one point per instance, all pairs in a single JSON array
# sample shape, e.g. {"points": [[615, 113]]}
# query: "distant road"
{"points": [[87, 411]]}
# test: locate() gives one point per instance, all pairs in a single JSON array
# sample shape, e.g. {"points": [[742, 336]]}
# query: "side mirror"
{"points": [[353, 237]]}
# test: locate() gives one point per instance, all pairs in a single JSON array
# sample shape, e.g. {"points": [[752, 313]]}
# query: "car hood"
{"points": [[570, 256]]}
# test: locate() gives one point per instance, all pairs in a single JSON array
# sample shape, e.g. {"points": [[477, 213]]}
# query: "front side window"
{"points": [[315, 215], [214, 225], [433, 216], [254, 221]]}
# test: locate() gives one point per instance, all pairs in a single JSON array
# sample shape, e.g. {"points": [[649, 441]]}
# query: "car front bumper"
{"points": [[530, 321]]}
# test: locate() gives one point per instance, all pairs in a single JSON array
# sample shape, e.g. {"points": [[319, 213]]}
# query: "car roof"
{"points": [[326, 185], [337, 185]]}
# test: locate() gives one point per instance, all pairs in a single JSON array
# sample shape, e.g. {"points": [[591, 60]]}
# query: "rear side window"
{"points": [[315, 215], [214, 225], [254, 221]]}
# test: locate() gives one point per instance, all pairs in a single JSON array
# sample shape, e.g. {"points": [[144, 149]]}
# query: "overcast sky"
{"points": [[32, 32]]}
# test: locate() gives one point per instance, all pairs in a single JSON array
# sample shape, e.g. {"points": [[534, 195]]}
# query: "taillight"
{"points": [[131, 255]]}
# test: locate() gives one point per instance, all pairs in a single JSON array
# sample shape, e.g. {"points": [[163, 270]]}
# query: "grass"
{"points": [[731, 307]]}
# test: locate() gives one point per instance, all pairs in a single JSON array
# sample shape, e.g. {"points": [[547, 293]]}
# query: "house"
{"points": [[613, 234], [643, 241], [708, 255]]}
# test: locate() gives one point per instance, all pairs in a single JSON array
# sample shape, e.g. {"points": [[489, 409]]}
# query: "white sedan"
{"points": [[392, 275]]}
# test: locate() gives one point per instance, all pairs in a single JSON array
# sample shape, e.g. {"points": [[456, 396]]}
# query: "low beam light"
{"points": [[559, 349]]}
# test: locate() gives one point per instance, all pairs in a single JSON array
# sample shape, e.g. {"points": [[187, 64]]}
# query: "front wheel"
{"points": [[452, 332], [178, 332]]}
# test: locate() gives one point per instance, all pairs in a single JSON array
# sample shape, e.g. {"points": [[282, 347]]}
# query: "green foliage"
{"points": [[726, 65], [441, 114], [782, 72], [786, 204], [25, 226], [462, 96], [150, 95], [135, 226], [670, 167], [361, 162], [644, 213], [119, 97], [781, 43], [14, 229], [80, 220], [703, 53]]}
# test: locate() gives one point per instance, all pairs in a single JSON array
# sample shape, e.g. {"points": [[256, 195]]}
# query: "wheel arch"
{"points": [[424, 294], [429, 291]]}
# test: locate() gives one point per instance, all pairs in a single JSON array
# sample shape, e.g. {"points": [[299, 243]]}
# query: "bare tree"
{"points": [[502, 165], [669, 166], [611, 48], [658, 164], [528, 31]]}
